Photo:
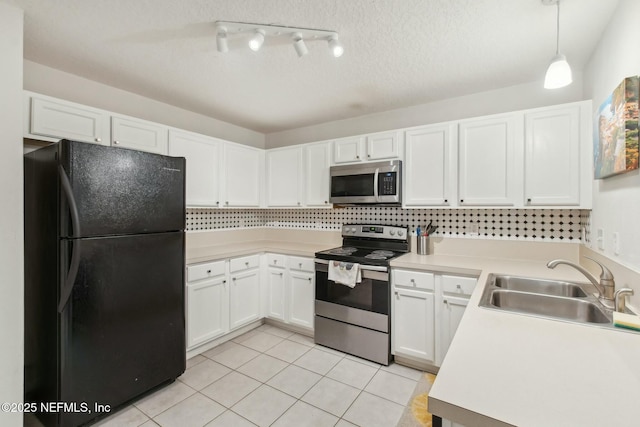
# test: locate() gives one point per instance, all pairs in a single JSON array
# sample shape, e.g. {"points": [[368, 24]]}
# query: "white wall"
{"points": [[50, 81], [11, 214], [521, 97], [616, 200]]}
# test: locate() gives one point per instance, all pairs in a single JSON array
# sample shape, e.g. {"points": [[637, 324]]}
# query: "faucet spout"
{"points": [[606, 287]]}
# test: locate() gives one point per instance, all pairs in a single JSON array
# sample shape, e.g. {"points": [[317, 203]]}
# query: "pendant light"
{"points": [[559, 72]]}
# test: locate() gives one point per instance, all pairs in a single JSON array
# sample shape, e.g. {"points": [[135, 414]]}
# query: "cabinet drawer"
{"points": [[244, 263], [302, 264], [413, 279], [276, 260], [202, 271], [458, 285]]}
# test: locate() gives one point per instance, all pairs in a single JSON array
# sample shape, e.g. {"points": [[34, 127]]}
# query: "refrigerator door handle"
{"points": [[67, 287]]}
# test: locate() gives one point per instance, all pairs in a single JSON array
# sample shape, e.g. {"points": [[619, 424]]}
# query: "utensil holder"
{"points": [[423, 245]]}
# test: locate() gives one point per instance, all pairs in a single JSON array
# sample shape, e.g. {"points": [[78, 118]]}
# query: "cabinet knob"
{"points": [[413, 280], [226, 203], [98, 139], [357, 157], [280, 274], [234, 279], [208, 271], [298, 203], [325, 202], [528, 200], [217, 203], [396, 292], [247, 263], [458, 286], [368, 155], [446, 201], [224, 281], [461, 200], [299, 265], [116, 142], [275, 261], [309, 278]]}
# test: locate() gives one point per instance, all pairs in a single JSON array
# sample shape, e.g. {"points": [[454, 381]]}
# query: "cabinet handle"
{"points": [[116, 142], [98, 139]]}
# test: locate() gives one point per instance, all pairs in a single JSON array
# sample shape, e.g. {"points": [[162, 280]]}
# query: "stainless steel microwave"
{"points": [[367, 183]]}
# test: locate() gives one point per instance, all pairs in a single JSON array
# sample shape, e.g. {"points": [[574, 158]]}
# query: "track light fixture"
{"points": [[559, 72], [258, 33]]}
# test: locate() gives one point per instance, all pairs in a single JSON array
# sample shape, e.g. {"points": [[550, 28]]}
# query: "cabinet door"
{"points": [[242, 175], [139, 135], [427, 157], [348, 150], [301, 300], [384, 145], [60, 119], [552, 157], [276, 293], [413, 324], [451, 312], [317, 160], [487, 161], [207, 310], [284, 177], [203, 156], [244, 298]]}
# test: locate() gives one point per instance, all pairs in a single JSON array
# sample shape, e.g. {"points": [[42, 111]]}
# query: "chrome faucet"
{"points": [[606, 287]]}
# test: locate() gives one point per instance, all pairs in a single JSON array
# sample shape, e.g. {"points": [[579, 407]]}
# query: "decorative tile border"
{"points": [[513, 224]]}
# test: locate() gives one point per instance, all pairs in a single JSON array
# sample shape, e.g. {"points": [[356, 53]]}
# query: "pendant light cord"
{"points": [[558, 28]]}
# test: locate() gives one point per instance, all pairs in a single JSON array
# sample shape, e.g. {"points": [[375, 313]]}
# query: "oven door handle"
{"points": [[362, 267]]}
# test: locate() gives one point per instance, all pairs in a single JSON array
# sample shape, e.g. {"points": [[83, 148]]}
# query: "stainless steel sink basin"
{"points": [[577, 310], [539, 286], [560, 300]]}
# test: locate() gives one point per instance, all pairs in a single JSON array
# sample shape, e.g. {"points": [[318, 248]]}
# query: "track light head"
{"points": [[221, 40], [335, 46], [257, 40], [299, 45]]}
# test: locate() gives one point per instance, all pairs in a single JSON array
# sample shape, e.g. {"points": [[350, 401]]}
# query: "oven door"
{"points": [[368, 304]]}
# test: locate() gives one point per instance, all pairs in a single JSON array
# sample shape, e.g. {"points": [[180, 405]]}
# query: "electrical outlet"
{"points": [[600, 239], [615, 243], [474, 229]]}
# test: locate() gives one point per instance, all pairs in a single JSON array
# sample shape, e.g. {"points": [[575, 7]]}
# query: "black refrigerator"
{"points": [[104, 278]]}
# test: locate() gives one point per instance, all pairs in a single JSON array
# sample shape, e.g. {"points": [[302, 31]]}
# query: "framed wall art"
{"points": [[615, 136]]}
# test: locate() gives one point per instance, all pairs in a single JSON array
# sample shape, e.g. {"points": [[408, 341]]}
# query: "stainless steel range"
{"points": [[356, 320]]}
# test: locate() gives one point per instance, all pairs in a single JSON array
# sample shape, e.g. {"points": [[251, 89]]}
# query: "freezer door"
{"points": [[123, 330], [120, 191]]}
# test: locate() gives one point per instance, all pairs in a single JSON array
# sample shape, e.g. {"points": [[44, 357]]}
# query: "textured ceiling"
{"points": [[398, 53]]}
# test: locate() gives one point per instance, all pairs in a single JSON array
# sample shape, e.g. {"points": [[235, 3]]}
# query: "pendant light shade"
{"points": [[559, 72]]}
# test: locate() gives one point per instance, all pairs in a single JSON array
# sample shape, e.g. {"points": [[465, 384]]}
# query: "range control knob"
{"points": [[400, 233], [353, 229], [392, 232]]}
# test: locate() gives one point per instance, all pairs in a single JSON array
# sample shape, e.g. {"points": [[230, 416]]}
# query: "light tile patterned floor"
{"points": [[273, 377]]}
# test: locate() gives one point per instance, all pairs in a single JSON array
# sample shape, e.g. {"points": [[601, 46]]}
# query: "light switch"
{"points": [[600, 239]]}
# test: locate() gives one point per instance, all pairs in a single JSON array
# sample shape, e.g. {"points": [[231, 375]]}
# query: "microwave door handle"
{"points": [[375, 184]]}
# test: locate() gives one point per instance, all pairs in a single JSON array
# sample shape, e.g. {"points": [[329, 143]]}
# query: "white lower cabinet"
{"points": [[426, 311], [301, 301], [221, 296], [413, 323], [291, 290], [207, 303]]}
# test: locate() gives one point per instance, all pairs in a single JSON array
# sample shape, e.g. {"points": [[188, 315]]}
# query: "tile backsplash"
{"points": [[512, 224]]}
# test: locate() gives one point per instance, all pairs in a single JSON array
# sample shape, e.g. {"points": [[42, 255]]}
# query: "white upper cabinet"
{"points": [[243, 172], [489, 164], [376, 146], [139, 135], [427, 166], [552, 157], [285, 177], [384, 145], [317, 160], [203, 155], [348, 150], [52, 119]]}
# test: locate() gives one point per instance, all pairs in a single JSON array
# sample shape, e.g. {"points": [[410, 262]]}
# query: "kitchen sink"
{"points": [[577, 310], [552, 299], [539, 286]]}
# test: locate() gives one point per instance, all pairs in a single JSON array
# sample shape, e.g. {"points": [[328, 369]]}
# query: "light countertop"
{"points": [[510, 369], [195, 255]]}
